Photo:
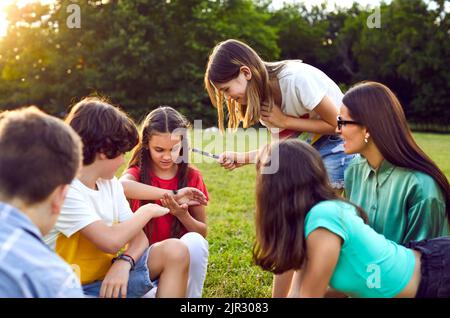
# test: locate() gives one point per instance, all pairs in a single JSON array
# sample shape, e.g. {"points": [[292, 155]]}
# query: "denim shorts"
{"points": [[331, 149], [435, 267], [139, 282]]}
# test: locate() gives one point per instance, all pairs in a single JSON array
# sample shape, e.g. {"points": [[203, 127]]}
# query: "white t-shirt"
{"points": [[303, 87], [84, 206]]}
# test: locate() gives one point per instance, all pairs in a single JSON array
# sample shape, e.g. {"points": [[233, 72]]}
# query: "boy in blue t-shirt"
{"points": [[39, 157]]}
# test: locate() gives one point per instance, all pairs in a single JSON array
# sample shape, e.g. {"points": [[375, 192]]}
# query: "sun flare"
{"points": [[20, 3]]}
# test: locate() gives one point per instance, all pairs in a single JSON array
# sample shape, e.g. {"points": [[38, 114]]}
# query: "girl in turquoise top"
{"points": [[302, 224], [406, 196]]}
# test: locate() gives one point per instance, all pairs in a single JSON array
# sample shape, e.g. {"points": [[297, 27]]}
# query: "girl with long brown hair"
{"points": [[406, 195], [302, 224], [160, 160]]}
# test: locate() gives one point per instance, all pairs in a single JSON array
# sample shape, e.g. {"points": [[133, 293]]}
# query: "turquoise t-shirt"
{"points": [[369, 265]]}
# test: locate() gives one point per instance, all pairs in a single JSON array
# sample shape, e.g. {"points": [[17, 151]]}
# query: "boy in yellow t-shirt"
{"points": [[96, 232]]}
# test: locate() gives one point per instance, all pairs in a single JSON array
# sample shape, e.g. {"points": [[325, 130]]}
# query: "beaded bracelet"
{"points": [[127, 258]]}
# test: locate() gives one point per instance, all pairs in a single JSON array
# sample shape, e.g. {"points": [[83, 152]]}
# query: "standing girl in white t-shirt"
{"points": [[297, 98]]}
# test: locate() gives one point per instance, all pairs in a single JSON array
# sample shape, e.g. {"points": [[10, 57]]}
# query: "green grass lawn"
{"points": [[437, 147], [231, 227]]}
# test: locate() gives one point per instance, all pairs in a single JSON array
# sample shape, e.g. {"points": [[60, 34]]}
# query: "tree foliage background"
{"points": [[146, 53]]}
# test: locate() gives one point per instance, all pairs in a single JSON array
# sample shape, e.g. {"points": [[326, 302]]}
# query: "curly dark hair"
{"points": [[103, 128]]}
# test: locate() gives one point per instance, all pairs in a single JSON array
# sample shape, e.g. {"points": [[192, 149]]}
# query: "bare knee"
{"points": [[175, 251]]}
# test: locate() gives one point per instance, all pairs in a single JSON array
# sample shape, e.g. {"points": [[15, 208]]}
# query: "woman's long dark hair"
{"points": [[163, 119], [284, 198], [376, 107]]}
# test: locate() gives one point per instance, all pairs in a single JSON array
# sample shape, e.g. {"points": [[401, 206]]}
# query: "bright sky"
{"points": [[5, 3], [276, 4], [331, 3]]}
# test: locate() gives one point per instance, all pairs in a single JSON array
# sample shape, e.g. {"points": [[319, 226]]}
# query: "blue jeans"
{"points": [[435, 267], [139, 282], [331, 149]]}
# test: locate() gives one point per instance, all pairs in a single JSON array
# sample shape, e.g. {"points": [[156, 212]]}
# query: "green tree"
{"points": [[409, 53], [141, 53], [146, 53]]}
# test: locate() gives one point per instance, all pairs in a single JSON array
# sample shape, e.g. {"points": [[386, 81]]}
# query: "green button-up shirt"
{"points": [[402, 204]]}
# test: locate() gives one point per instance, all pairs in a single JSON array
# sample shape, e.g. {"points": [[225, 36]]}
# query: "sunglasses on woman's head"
{"points": [[341, 122]]}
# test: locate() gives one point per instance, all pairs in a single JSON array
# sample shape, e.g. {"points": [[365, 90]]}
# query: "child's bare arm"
{"points": [[111, 239], [231, 160], [333, 293], [195, 220], [327, 123], [282, 284], [137, 246], [115, 282], [323, 249], [140, 191]]}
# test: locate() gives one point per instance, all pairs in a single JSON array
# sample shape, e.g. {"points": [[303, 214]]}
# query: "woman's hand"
{"points": [[274, 118], [115, 283], [177, 210], [190, 196]]}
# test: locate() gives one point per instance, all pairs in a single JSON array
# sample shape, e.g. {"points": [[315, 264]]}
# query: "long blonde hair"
{"points": [[224, 64]]}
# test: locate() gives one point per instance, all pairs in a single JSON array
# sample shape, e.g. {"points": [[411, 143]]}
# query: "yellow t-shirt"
{"points": [[82, 207]]}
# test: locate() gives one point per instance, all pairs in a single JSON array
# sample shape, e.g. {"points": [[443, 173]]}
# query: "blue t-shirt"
{"points": [[369, 265], [28, 267]]}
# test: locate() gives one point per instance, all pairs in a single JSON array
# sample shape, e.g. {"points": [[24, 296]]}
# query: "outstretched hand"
{"points": [[191, 196], [229, 160], [155, 209], [176, 209]]}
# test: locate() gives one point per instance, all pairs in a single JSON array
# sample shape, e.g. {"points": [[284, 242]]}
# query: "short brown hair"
{"points": [[103, 128], [38, 154]]}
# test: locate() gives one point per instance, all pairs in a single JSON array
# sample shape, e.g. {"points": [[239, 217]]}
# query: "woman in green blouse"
{"points": [[403, 191]]}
